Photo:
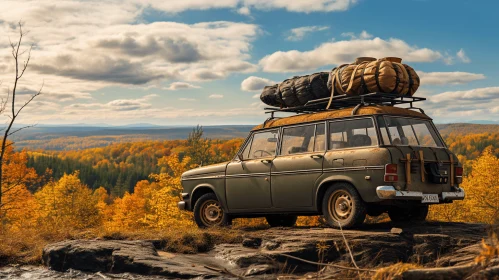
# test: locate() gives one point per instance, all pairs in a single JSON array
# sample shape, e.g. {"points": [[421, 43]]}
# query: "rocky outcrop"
{"points": [[139, 257], [452, 246]]}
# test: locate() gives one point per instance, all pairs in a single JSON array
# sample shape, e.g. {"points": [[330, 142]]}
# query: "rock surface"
{"points": [[453, 245]]}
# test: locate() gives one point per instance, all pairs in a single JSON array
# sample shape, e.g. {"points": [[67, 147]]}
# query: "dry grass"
{"points": [[490, 250], [181, 240], [393, 271], [25, 247]]}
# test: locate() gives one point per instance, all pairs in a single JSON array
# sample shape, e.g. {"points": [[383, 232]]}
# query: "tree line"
{"points": [[118, 167]]}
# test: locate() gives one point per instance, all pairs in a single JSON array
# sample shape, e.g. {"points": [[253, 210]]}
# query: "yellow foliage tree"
{"points": [[482, 189], [171, 172], [481, 203], [67, 203], [126, 213]]}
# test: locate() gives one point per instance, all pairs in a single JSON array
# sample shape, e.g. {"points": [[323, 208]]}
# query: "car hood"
{"points": [[209, 170]]}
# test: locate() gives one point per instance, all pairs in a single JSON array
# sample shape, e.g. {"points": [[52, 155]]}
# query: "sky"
{"points": [[187, 62]]}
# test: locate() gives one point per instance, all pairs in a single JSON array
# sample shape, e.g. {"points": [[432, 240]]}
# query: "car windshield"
{"points": [[407, 131]]}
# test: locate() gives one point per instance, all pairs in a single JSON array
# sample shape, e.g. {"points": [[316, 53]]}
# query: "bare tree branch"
{"points": [[31, 99], [3, 107], [25, 64], [19, 129]]}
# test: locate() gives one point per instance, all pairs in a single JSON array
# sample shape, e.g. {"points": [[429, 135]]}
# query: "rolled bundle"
{"points": [[296, 91], [367, 75], [288, 93], [271, 96]]}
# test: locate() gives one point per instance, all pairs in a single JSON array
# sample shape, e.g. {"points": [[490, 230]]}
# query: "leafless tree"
{"points": [[8, 105]]}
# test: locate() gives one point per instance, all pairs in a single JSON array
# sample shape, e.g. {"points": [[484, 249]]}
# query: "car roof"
{"points": [[341, 113]]}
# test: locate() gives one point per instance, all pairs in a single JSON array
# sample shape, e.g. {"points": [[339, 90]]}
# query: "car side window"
{"points": [[245, 152], [320, 138], [264, 145], [299, 139], [352, 133]]}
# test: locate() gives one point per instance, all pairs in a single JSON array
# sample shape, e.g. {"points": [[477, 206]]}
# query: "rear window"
{"points": [[408, 132]]}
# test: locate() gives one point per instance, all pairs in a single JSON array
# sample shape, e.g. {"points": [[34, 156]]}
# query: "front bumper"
{"points": [[389, 192], [181, 205], [185, 203]]}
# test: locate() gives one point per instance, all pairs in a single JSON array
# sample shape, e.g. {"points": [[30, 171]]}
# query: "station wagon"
{"points": [[343, 164]]}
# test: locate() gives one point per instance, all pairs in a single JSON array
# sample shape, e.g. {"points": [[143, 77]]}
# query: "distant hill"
{"points": [[166, 133], [82, 137], [467, 128]]}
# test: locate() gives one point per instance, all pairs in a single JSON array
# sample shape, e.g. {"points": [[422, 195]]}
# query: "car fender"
{"points": [[324, 182], [218, 193]]}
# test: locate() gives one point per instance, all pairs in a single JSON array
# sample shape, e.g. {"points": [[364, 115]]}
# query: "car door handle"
{"points": [[266, 161], [316, 156]]}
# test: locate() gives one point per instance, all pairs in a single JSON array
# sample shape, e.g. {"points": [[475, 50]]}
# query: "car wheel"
{"points": [[281, 220], [412, 214], [343, 207], [208, 212]]}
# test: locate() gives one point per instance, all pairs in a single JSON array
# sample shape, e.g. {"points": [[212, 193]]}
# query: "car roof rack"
{"points": [[345, 101]]}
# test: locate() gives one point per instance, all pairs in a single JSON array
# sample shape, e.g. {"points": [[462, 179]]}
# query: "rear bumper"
{"points": [[389, 192]]}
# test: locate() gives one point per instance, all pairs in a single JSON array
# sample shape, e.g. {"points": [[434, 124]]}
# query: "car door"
{"points": [[248, 180], [298, 166]]}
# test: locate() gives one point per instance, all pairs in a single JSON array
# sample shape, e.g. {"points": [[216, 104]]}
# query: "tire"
{"points": [[412, 214], [208, 212], [343, 206], [281, 220]]}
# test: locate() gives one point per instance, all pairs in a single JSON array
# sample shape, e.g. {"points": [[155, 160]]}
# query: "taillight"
{"points": [[391, 169], [391, 173], [458, 173], [391, 178]]}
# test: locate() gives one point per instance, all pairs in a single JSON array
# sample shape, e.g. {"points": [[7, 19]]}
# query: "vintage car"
{"points": [[343, 164]]}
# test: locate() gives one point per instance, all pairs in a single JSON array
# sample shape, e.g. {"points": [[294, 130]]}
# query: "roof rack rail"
{"points": [[345, 101]]}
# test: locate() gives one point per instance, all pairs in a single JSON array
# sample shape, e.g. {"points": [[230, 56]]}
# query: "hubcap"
{"points": [[212, 213], [340, 205]]}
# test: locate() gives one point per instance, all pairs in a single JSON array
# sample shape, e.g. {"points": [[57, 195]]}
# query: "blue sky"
{"points": [[186, 62]]}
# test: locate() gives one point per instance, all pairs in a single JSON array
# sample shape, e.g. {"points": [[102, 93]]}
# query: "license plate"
{"points": [[430, 198]]}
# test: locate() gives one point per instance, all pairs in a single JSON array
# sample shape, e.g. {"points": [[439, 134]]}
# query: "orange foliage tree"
{"points": [[15, 177]]}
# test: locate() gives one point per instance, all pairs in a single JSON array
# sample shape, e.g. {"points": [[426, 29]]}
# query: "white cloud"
{"points": [[253, 83], [181, 85], [445, 78], [216, 96], [352, 36], [256, 95], [187, 99], [478, 95], [82, 46], [244, 11], [461, 55], [464, 105], [334, 53], [306, 6], [297, 34], [300, 6]]}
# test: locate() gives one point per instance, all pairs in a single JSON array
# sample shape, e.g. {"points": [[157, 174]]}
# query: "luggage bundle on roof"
{"points": [[365, 75]]}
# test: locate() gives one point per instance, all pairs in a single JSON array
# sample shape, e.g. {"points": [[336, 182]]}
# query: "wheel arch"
{"points": [[201, 190], [327, 183]]}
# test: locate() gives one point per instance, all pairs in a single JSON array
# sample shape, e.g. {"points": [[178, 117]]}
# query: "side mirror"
{"points": [[240, 157]]}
